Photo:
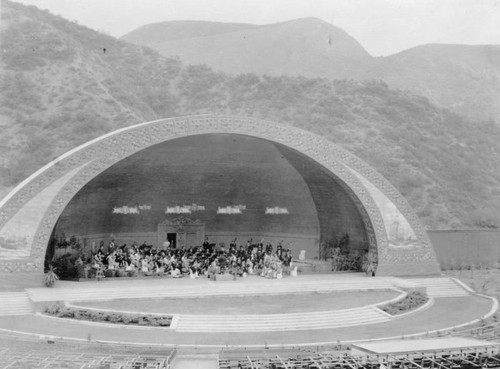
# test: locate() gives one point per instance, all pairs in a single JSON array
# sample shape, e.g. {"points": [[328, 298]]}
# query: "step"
{"points": [[15, 303], [200, 328], [441, 287], [279, 322], [289, 325], [307, 320]]}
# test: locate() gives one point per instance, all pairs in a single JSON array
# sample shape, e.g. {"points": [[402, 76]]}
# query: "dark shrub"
{"points": [[65, 267], [115, 318], [52, 309], [80, 271], [101, 316], [413, 300], [66, 313], [91, 273], [164, 322]]}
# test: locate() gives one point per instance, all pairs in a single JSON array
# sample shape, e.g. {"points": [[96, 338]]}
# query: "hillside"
{"points": [[307, 47], [64, 84], [465, 79], [462, 78]]}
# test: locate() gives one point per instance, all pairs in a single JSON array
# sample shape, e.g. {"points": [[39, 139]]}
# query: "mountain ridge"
{"points": [[182, 29], [237, 49], [464, 78]]}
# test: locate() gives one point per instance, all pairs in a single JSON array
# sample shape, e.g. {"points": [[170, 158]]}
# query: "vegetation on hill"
{"points": [[462, 78], [64, 84]]}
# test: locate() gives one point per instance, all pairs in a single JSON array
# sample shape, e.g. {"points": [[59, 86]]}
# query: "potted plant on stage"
{"points": [[370, 263], [51, 276]]}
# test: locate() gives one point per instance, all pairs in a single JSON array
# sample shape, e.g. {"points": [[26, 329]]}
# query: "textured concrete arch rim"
{"points": [[115, 146], [62, 157]]}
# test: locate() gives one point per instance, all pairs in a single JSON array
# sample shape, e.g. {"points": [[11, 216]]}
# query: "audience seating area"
{"points": [[58, 359], [26, 352], [489, 330], [32, 353], [486, 358]]}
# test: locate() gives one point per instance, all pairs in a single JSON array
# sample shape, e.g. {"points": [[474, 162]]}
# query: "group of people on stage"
{"points": [[206, 260]]}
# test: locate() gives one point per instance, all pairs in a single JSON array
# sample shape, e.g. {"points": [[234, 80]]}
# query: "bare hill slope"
{"points": [[178, 30], [307, 47]]}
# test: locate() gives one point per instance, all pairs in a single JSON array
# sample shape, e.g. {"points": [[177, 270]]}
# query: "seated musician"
{"points": [[112, 264], [176, 272], [206, 244], [248, 266], [145, 264], [266, 264], [287, 261], [213, 269]]}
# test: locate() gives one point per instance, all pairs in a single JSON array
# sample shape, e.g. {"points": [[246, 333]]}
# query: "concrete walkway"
{"points": [[453, 306], [445, 313]]}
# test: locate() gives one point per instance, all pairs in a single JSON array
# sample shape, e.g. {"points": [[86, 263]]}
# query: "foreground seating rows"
{"points": [[442, 360], [18, 357]]}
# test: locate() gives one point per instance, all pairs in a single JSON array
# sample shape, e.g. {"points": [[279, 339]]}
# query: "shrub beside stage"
{"points": [[413, 300], [61, 311]]}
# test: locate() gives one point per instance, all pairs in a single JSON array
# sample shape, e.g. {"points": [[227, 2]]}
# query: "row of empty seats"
{"points": [[485, 358], [29, 353], [45, 359], [71, 360], [488, 330]]}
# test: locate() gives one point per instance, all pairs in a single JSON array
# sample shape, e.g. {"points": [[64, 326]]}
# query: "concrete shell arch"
{"points": [[32, 209]]}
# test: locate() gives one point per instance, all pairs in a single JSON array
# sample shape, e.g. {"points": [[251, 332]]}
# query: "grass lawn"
{"points": [[265, 304]]}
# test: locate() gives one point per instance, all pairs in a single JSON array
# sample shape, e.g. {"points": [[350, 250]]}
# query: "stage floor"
{"points": [[116, 288], [451, 305]]}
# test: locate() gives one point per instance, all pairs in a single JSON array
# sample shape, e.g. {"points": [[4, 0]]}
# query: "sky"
{"points": [[383, 27]]}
